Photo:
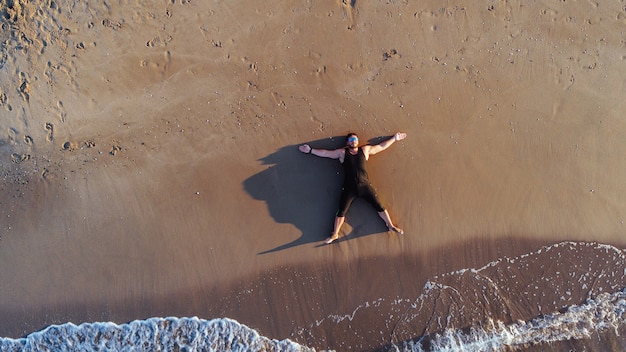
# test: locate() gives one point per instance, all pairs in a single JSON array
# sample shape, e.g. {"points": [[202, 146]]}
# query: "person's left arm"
{"points": [[374, 149]]}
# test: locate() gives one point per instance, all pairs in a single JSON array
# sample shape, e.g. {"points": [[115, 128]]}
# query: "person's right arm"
{"points": [[324, 153]]}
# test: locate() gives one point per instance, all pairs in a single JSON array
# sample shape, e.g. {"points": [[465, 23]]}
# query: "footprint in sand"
{"points": [[564, 78], [12, 134], [115, 149], [160, 66], [45, 174], [18, 158], [61, 110], [550, 13], [348, 8], [69, 146], [24, 88], [4, 101], [111, 24], [158, 41], [50, 128], [278, 100], [391, 54]]}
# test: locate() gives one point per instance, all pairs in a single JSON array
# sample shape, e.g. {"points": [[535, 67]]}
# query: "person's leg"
{"points": [[369, 194], [387, 219], [346, 199], [335, 235]]}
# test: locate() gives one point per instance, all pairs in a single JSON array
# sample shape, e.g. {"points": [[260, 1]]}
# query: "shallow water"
{"points": [[560, 297]]}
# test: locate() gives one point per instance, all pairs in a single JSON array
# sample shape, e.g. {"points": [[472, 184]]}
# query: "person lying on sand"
{"points": [[356, 182]]}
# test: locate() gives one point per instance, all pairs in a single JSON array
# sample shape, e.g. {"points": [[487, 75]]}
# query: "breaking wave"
{"points": [[155, 334], [606, 312]]}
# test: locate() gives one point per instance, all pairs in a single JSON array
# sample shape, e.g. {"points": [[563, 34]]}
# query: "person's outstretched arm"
{"points": [[325, 153], [373, 149]]}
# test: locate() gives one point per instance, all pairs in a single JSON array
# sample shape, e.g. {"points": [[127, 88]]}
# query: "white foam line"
{"points": [[577, 322], [152, 334], [572, 245]]}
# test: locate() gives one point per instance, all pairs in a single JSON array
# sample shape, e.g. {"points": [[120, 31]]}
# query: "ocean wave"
{"points": [[154, 334], [507, 304], [570, 291], [497, 303], [605, 312]]}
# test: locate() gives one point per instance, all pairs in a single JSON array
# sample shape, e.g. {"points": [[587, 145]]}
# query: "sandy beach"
{"points": [[150, 165]]}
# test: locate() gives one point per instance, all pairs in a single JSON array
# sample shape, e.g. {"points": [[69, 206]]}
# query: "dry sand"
{"points": [[150, 163]]}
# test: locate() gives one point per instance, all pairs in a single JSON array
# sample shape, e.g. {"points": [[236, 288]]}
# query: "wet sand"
{"points": [[150, 163]]}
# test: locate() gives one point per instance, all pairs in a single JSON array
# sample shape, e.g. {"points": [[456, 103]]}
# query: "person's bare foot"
{"points": [[330, 239], [396, 230]]}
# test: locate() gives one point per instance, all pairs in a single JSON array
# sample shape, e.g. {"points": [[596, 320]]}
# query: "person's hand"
{"points": [[305, 148], [400, 136]]}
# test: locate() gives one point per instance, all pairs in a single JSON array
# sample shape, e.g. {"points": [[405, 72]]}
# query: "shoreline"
{"points": [[294, 296]]}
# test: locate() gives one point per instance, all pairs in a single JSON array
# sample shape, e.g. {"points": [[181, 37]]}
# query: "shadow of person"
{"points": [[304, 190], [299, 189]]}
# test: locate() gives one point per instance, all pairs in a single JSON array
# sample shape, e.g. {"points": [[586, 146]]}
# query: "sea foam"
{"points": [[607, 311], [155, 334]]}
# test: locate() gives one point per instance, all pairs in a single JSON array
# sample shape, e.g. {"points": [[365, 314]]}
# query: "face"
{"points": [[353, 141]]}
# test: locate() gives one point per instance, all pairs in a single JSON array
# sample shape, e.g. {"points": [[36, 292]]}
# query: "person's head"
{"points": [[352, 140]]}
